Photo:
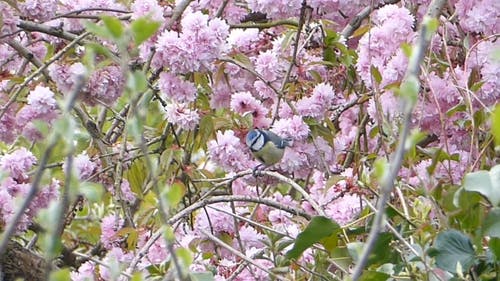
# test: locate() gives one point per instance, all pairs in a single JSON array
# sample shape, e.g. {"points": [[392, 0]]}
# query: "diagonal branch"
{"points": [[387, 182]]}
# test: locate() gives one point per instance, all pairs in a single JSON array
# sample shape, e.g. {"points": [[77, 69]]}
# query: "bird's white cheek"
{"points": [[258, 144]]}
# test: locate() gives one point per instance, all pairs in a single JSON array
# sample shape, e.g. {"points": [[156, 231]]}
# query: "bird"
{"points": [[266, 146]]}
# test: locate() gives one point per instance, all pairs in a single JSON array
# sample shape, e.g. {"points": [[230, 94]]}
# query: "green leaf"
{"points": [[376, 74], [494, 246], [185, 255], [495, 124], [92, 191], [491, 225], [174, 193], [137, 82], [202, 276], [373, 276], [409, 90], [60, 275], [382, 251], [136, 176], [244, 60], [319, 228], [407, 49], [143, 28], [113, 25], [452, 247], [432, 25], [381, 168], [486, 183], [98, 30]]}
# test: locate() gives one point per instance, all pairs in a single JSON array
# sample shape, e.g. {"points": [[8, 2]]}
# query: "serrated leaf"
{"points": [[486, 183], [142, 29], [206, 129], [113, 25], [318, 228], [491, 225], [452, 247]]}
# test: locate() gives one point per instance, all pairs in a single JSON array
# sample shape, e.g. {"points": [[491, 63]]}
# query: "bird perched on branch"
{"points": [[267, 146]]}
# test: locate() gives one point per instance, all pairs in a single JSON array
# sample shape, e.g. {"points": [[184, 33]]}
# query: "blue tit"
{"points": [[267, 146]]}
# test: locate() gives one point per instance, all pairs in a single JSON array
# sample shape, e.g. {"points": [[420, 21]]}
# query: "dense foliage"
{"points": [[123, 123]]}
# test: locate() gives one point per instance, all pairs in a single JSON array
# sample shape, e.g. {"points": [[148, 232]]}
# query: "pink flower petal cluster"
{"points": [[379, 46], [480, 16], [196, 47], [110, 225], [276, 9], [38, 9], [41, 106], [337, 202], [181, 115], [9, 21], [233, 12], [176, 89], [215, 221], [483, 59], [318, 103], [151, 8], [294, 128], [84, 166], [229, 153], [245, 102], [65, 75], [8, 124], [105, 85], [17, 164], [266, 64]]}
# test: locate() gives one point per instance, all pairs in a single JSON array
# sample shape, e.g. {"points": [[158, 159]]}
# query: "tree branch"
{"points": [[387, 182]]}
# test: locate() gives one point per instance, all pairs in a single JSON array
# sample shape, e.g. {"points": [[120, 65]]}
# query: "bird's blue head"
{"points": [[255, 140]]}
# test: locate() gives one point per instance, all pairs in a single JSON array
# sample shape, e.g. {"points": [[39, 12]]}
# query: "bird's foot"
{"points": [[257, 171]]}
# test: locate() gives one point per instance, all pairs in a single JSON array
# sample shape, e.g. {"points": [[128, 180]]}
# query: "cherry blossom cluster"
{"points": [[282, 85]]}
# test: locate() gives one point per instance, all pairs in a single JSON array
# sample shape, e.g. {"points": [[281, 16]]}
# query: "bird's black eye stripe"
{"points": [[255, 140]]}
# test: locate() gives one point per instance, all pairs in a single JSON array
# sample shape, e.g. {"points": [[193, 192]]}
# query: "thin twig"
{"points": [[27, 54], [239, 254], [177, 13], [297, 187], [50, 30], [264, 25], [355, 23], [387, 182], [40, 70], [35, 185]]}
